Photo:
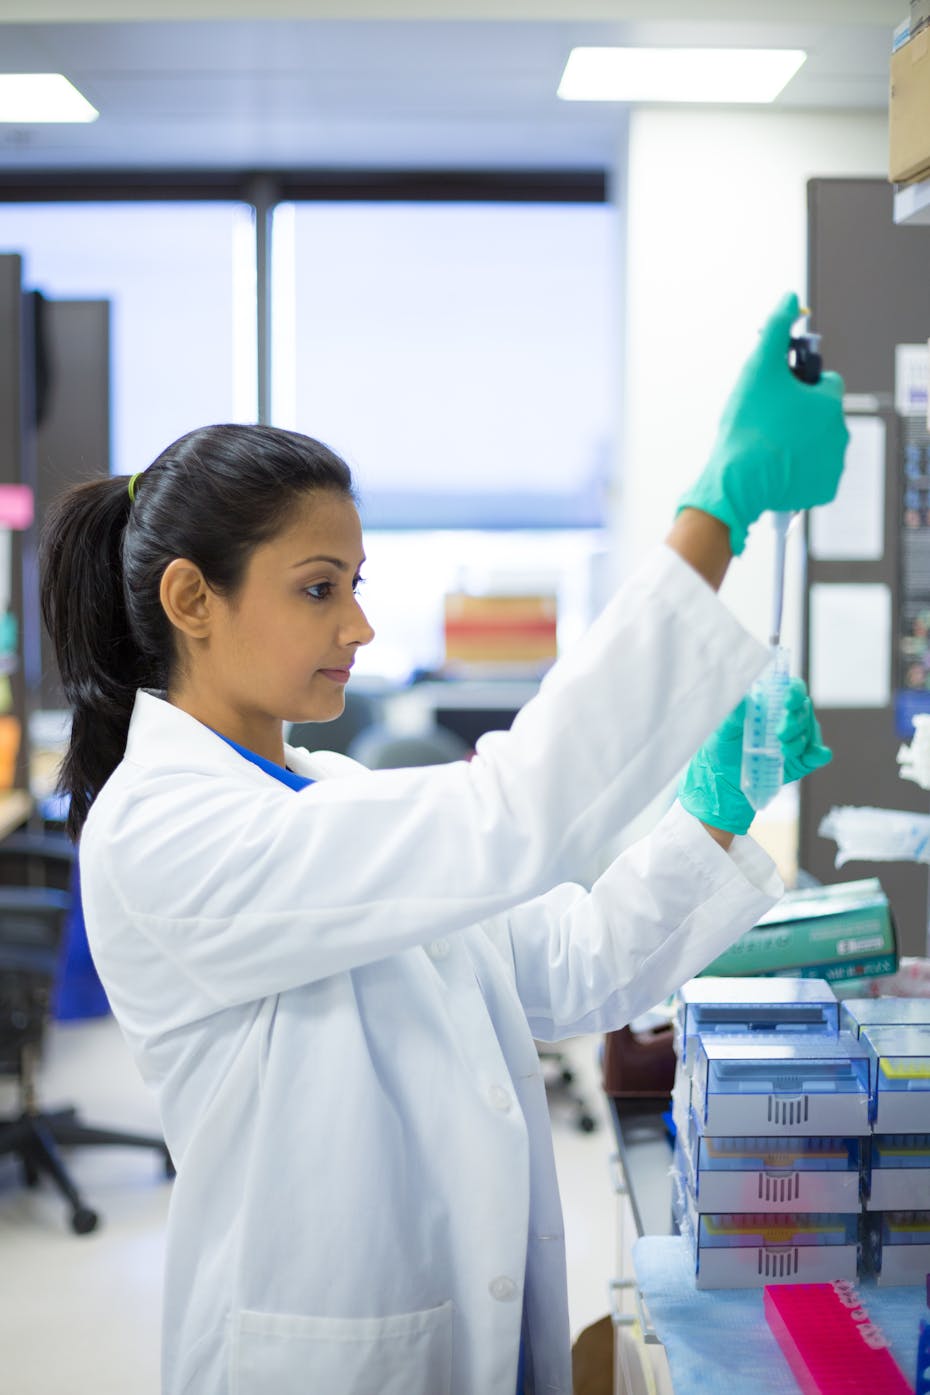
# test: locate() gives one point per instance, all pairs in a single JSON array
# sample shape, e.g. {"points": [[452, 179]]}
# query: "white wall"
{"points": [[717, 230]]}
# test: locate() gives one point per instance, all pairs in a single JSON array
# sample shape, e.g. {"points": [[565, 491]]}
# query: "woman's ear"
{"points": [[186, 598]]}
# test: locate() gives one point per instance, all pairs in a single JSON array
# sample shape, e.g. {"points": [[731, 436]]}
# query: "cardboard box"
{"points": [[501, 633], [842, 933], [909, 111]]}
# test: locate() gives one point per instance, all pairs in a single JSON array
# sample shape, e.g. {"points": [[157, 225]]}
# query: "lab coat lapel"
{"points": [[163, 737]]}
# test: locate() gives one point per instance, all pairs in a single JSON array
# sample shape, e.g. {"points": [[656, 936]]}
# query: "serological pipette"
{"points": [[762, 766]]}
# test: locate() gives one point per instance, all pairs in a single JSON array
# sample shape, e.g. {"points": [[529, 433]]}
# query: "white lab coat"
{"points": [[334, 994]]}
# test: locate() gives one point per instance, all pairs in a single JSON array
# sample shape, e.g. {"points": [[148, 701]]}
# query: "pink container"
{"points": [[830, 1342]]}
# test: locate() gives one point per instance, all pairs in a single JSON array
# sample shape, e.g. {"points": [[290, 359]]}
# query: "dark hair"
{"points": [[213, 496]]}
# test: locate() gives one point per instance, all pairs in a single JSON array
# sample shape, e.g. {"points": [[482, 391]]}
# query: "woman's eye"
{"points": [[322, 590]]}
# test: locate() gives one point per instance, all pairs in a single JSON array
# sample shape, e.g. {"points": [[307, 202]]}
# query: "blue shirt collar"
{"points": [[287, 777]]}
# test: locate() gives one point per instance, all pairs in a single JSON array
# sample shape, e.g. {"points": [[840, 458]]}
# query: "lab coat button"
{"points": [[500, 1098], [502, 1288], [439, 949]]}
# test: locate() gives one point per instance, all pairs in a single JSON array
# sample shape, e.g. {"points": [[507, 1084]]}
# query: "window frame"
{"points": [[263, 190]]}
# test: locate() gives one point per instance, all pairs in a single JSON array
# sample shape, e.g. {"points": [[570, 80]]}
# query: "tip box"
{"points": [[769, 1086], [901, 1078], [737, 1006]]}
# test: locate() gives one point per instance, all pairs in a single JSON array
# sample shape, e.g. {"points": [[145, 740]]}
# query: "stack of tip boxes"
{"points": [[772, 1107], [896, 1178], [802, 1151]]}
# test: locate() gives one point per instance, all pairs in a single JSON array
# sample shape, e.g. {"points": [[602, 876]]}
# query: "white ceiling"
{"points": [[391, 92]]}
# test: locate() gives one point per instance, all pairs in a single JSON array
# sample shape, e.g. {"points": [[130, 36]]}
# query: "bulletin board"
{"points": [[870, 292]]}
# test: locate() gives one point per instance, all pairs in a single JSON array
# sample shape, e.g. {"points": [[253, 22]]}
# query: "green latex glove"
{"points": [[709, 788], [781, 442], [800, 736]]}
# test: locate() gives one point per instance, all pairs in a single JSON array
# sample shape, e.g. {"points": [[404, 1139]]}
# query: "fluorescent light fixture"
{"points": [[32, 97], [678, 74]]}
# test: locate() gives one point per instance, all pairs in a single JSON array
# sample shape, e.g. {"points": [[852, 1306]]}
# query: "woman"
{"points": [[332, 978]]}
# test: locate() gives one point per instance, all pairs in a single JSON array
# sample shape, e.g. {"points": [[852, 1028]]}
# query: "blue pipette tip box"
{"points": [[897, 1177], [774, 1174], [782, 1085], [901, 1077], [896, 1246], [750, 1006], [859, 1013], [749, 1249]]}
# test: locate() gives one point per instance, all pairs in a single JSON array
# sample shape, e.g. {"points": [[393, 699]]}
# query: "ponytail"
{"points": [[84, 611], [211, 497]]}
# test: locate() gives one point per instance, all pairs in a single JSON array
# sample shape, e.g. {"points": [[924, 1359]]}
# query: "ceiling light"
{"points": [[678, 74], [30, 97]]}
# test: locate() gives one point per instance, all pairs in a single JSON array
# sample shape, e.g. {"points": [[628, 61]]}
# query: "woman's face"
{"points": [[282, 648]]}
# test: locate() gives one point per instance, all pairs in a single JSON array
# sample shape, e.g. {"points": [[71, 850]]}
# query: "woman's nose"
{"points": [[357, 630]]}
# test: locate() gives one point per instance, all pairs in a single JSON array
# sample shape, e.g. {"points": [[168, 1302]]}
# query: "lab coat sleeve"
{"points": [[251, 891], [592, 961]]}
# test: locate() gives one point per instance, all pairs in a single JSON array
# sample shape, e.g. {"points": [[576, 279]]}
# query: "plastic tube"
{"points": [[782, 523], [762, 765]]}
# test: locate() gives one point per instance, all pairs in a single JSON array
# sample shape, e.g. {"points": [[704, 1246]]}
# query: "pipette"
{"points": [[763, 764]]}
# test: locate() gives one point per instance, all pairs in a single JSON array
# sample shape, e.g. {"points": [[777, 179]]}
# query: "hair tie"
{"points": [[132, 487]]}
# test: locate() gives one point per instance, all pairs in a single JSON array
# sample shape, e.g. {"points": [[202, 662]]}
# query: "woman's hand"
{"points": [[781, 442], [800, 736], [709, 788]]}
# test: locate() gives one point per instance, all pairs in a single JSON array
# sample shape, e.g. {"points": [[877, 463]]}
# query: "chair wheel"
{"points": [[84, 1220], [587, 1124], [30, 1174]]}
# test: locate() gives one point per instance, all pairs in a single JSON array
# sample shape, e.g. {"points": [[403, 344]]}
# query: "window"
{"points": [[180, 278], [409, 573], [459, 355]]}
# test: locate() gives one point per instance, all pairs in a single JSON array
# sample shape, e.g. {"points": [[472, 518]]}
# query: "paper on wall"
{"points": [[850, 644], [852, 526]]}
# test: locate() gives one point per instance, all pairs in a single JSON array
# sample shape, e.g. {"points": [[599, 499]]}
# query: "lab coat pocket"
{"points": [[405, 1354]]}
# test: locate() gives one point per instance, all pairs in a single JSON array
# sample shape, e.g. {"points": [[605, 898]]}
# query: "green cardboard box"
{"points": [[843, 933]]}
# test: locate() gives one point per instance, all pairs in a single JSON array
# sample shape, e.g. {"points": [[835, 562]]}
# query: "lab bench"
{"points": [[642, 1186], [706, 1334]]}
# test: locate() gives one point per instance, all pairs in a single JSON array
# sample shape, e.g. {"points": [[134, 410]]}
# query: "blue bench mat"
{"points": [[718, 1339]]}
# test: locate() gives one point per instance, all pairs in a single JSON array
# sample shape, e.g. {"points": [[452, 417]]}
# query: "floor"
{"points": [[81, 1313]]}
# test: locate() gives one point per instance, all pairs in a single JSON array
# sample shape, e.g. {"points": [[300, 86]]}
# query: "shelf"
{"points": [[912, 203]]}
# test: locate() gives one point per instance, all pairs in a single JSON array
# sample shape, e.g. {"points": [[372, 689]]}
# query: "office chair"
{"points": [[560, 1085], [32, 929]]}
